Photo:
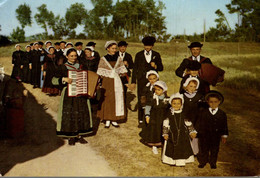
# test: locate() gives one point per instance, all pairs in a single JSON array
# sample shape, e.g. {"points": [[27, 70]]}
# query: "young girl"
{"points": [[192, 102], [154, 115], [177, 132], [152, 76], [74, 115]]}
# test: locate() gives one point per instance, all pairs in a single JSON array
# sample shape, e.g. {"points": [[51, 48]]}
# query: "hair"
{"points": [[70, 50], [214, 96], [111, 45], [87, 49], [176, 99]]}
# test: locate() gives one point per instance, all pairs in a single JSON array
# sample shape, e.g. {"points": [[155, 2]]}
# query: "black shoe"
{"points": [[107, 126], [71, 141], [82, 140], [201, 166], [213, 166]]}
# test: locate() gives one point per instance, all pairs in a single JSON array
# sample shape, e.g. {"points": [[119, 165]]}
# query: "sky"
{"points": [[182, 16]]}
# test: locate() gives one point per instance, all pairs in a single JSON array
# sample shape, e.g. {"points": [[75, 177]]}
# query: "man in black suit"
{"points": [[145, 60], [195, 48], [128, 61], [92, 46], [80, 52]]}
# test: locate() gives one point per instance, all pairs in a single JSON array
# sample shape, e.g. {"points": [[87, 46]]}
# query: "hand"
{"points": [[42, 68], [12, 64], [132, 86], [21, 66], [147, 118], [30, 67], [224, 140], [126, 63], [166, 137], [193, 135], [44, 73], [153, 65], [68, 80]]}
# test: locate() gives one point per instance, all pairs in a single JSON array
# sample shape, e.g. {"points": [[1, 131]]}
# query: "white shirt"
{"points": [[121, 54], [196, 58], [148, 55], [79, 52], [213, 111]]}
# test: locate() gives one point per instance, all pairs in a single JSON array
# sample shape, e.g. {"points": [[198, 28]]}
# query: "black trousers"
{"points": [[140, 87], [208, 149]]}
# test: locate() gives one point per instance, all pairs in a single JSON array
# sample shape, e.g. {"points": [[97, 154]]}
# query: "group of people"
{"points": [[185, 124]]}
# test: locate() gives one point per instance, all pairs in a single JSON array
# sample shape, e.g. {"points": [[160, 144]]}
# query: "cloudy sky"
{"points": [[182, 16]]}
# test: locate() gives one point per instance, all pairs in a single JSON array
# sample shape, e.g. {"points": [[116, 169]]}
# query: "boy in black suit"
{"points": [[145, 61], [80, 52], [211, 127]]}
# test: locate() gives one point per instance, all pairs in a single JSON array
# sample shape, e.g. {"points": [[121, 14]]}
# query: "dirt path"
{"points": [[42, 153]]}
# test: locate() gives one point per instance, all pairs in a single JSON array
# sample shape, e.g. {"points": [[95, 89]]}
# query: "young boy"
{"points": [[211, 127]]}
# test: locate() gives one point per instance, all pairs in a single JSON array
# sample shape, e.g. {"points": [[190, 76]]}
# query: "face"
{"points": [[148, 48], [18, 48], [51, 51], [36, 47], [88, 53], [191, 87], [28, 49], [39, 46], [48, 44], [62, 45], [213, 102], [176, 104], [69, 46], [158, 90], [122, 49], [152, 78], [195, 51], [112, 49], [79, 47], [72, 57], [194, 73], [57, 46]]}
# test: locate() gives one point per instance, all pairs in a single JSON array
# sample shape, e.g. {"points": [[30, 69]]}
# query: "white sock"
{"points": [[107, 123], [114, 123]]}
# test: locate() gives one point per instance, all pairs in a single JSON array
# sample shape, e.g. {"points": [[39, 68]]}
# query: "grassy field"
{"points": [[239, 157]]}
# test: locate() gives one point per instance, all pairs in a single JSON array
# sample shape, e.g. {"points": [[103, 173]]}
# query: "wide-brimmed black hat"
{"points": [[148, 41], [57, 43], [78, 43], [194, 65], [91, 43], [40, 43], [122, 43], [195, 44], [63, 42], [214, 93]]}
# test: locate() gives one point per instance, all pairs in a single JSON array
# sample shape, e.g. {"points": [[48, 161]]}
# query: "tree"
{"points": [[23, 15], [18, 35], [75, 15], [44, 18]]}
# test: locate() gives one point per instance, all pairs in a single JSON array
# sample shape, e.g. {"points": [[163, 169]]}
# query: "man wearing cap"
{"points": [[80, 52], [145, 61], [195, 48], [17, 63], [61, 58], [128, 62]]}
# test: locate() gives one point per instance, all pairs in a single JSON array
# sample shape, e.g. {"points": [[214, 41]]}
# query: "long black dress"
{"points": [[178, 149], [17, 61], [26, 71], [50, 67], [36, 68], [152, 133], [74, 115]]}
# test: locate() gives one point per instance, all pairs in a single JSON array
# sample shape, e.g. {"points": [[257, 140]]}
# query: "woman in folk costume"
{"points": [[177, 132], [111, 67], [26, 64], [155, 112], [36, 66], [17, 63], [49, 68], [74, 115]]}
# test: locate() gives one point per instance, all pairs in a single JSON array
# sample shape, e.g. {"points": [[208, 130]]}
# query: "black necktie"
{"points": [[212, 110], [147, 53]]}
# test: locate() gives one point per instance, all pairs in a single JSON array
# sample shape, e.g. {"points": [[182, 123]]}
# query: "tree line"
{"points": [[133, 19]]}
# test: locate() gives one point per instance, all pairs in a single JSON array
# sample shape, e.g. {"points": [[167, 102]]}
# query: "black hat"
{"points": [[195, 44], [194, 65], [122, 43], [31, 44], [148, 41], [91, 43], [57, 43], [78, 44], [63, 42], [40, 43], [214, 93]]}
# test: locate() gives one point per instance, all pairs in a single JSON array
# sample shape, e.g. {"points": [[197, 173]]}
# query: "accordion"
{"points": [[211, 74], [84, 83]]}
